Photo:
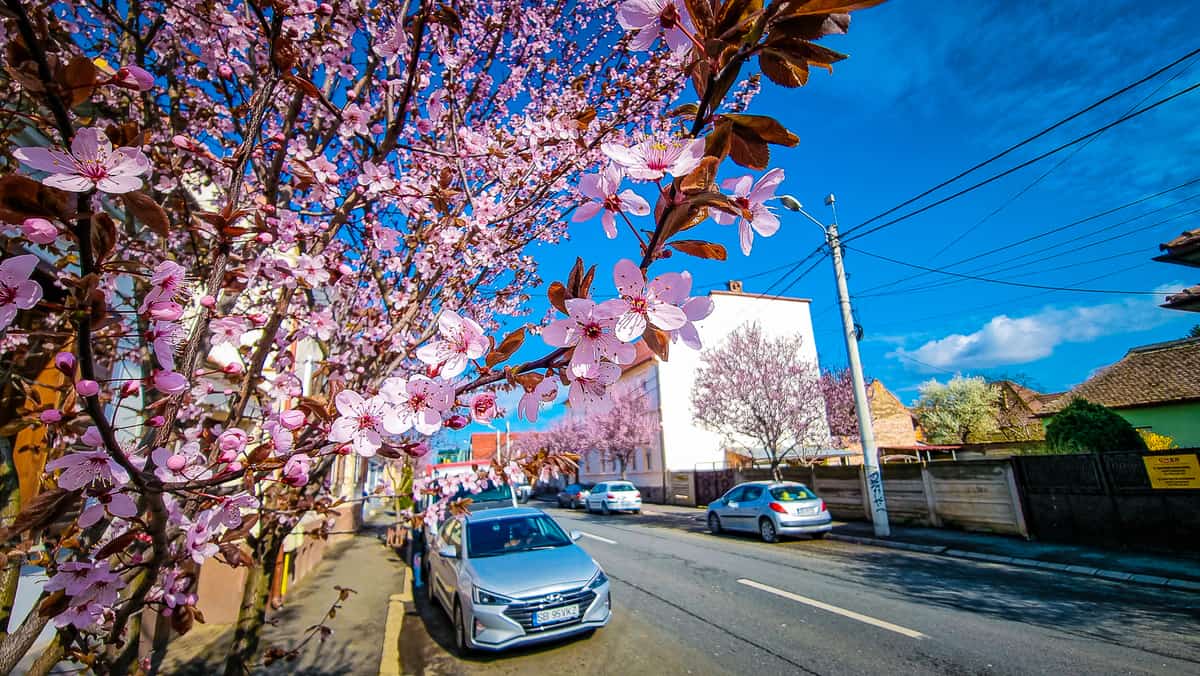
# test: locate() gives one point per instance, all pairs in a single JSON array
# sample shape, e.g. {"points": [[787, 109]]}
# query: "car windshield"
{"points": [[792, 493], [513, 534], [501, 492], [621, 488]]}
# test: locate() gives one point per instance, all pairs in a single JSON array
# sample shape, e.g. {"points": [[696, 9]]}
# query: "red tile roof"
{"points": [[1188, 299], [1145, 376], [483, 444]]}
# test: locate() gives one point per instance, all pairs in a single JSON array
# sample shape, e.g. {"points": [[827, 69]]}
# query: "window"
{"points": [[514, 534], [735, 495], [649, 464], [752, 493], [793, 493], [621, 488]]}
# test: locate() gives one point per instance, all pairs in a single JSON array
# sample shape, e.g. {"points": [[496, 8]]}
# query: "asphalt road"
{"points": [[687, 602]]}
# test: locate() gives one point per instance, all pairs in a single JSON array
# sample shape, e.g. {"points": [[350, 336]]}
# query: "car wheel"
{"points": [[637, 511], [766, 528], [427, 577], [460, 632], [714, 523], [604, 509], [819, 536], [574, 504]]}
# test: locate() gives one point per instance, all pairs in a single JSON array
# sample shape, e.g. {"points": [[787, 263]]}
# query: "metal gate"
{"points": [[712, 484]]}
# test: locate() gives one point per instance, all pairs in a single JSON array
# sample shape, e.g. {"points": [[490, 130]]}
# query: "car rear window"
{"points": [[792, 493], [621, 488]]}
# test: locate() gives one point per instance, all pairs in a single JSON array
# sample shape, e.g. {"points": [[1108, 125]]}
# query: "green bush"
{"points": [[1084, 427]]}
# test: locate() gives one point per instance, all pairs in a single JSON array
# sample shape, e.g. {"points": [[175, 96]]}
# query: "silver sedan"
{"points": [[511, 576], [771, 509]]}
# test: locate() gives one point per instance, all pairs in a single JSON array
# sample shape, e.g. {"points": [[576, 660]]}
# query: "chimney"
{"points": [[735, 286]]}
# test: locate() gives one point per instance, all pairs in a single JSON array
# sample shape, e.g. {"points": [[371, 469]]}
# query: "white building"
{"points": [[684, 445]]}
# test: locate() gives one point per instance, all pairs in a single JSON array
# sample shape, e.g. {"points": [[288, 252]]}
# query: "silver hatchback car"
{"points": [[771, 509], [511, 577]]}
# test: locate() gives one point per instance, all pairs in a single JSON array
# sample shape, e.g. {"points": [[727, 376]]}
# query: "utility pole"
{"points": [[866, 431]]}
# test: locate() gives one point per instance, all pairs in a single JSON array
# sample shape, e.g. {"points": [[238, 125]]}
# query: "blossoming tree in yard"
{"points": [[616, 436], [763, 396], [243, 239]]}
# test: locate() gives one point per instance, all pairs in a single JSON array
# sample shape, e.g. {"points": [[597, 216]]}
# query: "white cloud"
{"points": [[1006, 340]]}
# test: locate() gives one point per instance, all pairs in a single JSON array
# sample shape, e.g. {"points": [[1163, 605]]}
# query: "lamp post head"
{"points": [[830, 200], [790, 203]]}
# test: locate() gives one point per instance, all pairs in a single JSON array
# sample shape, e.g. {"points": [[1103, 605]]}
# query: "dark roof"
{"points": [[1184, 249], [1152, 374], [1188, 299]]}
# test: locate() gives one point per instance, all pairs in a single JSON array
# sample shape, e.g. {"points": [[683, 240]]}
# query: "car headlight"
{"points": [[487, 598], [597, 580]]}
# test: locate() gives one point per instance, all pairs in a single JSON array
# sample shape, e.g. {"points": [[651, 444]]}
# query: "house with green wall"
{"points": [[1155, 387]]}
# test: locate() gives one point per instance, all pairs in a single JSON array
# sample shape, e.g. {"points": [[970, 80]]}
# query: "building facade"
{"points": [[683, 445]]}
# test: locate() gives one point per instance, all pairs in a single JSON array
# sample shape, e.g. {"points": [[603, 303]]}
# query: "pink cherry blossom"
{"points": [[170, 382], [377, 177], [589, 386], [292, 419], [229, 330], [461, 340], [81, 468], [544, 393], [751, 198], [694, 308], [295, 470], [361, 422], [17, 290], [50, 416], [91, 163], [653, 158], [311, 270], [602, 188], [589, 328], [165, 337], [650, 18], [134, 77], [483, 407], [39, 230], [654, 303], [419, 403], [114, 502], [166, 283], [188, 464], [199, 538]]}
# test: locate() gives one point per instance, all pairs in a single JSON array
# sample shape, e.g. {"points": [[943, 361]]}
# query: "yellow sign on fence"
{"points": [[1173, 471]]}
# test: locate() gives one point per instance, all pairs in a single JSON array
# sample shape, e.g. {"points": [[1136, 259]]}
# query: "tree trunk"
{"points": [[51, 656], [253, 612], [621, 464], [17, 643]]}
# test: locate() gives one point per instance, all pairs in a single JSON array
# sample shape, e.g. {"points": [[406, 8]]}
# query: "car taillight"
{"points": [[776, 507], [637, 494], [822, 509], [610, 496]]}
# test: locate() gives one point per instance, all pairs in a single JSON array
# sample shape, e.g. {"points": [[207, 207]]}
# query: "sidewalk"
{"points": [[363, 563], [1177, 572]]}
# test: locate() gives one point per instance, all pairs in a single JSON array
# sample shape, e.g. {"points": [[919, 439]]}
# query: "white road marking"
{"points": [[597, 537], [904, 631]]}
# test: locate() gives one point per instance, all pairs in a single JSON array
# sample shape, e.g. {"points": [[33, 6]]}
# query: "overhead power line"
{"points": [[1030, 139], [1121, 120], [1052, 231], [1000, 281]]}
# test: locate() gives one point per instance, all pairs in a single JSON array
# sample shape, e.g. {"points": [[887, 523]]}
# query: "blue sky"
{"points": [[928, 92]]}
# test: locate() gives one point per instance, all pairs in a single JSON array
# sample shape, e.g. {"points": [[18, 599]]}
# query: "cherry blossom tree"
{"points": [[837, 389], [763, 395], [244, 240], [616, 436]]}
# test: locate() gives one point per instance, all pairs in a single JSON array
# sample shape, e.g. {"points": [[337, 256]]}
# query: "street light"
{"points": [[879, 515]]}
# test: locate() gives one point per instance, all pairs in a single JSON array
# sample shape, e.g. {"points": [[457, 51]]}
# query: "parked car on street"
{"points": [[573, 495], [614, 496], [771, 509], [511, 577]]}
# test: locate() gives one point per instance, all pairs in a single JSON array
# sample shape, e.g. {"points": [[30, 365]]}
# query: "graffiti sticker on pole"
{"points": [[1173, 471]]}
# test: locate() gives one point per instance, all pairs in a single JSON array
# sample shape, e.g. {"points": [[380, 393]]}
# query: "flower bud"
{"points": [[208, 301], [65, 362], [176, 462], [87, 388], [130, 387], [292, 419], [233, 369], [225, 71], [51, 416], [457, 421], [135, 77], [156, 421], [39, 230]]}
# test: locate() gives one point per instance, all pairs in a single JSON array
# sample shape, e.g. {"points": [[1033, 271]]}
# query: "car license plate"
{"points": [[801, 511], [555, 615]]}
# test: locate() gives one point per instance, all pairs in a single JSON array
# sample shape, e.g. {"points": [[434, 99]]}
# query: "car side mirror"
{"points": [[575, 535], [731, 504], [448, 552]]}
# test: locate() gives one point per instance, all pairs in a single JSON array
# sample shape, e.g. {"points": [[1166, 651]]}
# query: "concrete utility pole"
{"points": [[866, 432]]}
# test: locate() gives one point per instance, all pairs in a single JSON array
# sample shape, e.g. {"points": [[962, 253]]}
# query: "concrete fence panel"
{"points": [[904, 489], [842, 490], [976, 495]]}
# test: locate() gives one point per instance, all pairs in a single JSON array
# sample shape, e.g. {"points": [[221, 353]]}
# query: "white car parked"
{"points": [[614, 496]]}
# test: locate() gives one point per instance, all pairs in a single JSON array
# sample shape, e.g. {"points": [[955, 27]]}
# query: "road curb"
{"points": [[1086, 571], [389, 661]]}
